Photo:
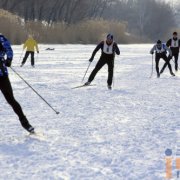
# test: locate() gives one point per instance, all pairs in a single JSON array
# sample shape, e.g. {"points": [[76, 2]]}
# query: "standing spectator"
{"points": [[30, 45]]}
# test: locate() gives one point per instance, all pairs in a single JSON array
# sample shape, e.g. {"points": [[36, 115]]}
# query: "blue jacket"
{"points": [[5, 50]]}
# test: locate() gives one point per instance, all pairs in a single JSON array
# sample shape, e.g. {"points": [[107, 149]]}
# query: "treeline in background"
{"points": [[87, 21]]}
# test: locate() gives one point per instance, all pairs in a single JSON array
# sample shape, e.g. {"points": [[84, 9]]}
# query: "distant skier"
{"points": [[30, 45], [174, 44], [108, 50], [5, 85], [160, 49]]}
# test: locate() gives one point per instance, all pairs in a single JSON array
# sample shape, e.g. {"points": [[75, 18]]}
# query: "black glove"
{"points": [[8, 62], [38, 52], [91, 59], [152, 52]]}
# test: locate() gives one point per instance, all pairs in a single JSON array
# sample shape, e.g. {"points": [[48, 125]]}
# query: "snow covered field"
{"points": [[99, 134]]}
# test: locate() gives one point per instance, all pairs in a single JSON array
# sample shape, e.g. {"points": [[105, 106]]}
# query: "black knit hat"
{"points": [[159, 42], [174, 33], [110, 36]]}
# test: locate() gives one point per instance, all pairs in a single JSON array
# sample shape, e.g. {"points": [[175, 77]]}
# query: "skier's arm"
{"points": [[9, 53], [116, 49], [99, 46], [153, 49], [168, 44], [169, 50]]}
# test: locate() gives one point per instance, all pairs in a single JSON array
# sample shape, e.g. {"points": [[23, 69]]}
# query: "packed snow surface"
{"points": [[120, 134]]}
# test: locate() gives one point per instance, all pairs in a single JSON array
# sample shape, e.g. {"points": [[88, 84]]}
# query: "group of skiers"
{"points": [[160, 49], [108, 50]]}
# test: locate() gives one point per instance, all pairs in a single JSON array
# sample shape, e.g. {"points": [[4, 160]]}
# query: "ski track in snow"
{"points": [[99, 134]]}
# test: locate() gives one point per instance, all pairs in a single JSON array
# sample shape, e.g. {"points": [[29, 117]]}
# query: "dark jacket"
{"points": [[174, 45], [106, 55]]}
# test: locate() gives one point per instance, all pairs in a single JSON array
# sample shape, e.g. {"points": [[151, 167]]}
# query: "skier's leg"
{"points": [[157, 65], [8, 94], [99, 65], [25, 58], [32, 58], [110, 72], [176, 56], [165, 65], [165, 58]]}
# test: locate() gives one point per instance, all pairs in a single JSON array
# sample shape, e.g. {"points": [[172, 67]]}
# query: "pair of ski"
{"points": [[84, 85], [81, 86]]}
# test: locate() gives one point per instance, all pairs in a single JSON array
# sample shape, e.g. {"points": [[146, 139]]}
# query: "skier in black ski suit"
{"points": [[108, 50], [160, 50], [174, 45], [5, 85]]}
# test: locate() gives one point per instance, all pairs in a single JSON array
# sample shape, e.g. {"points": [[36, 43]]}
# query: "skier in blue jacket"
{"points": [[5, 85]]}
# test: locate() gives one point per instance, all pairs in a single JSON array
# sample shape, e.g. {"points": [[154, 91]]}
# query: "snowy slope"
{"points": [[99, 134]]}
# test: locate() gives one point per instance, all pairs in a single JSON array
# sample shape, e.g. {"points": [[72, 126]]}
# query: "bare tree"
{"points": [[149, 18]]}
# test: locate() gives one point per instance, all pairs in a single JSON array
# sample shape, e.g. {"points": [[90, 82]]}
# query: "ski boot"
{"points": [[22, 65], [172, 74], [25, 124], [87, 83], [109, 87], [158, 75]]}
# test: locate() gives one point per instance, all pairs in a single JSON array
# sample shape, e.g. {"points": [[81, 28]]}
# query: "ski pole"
{"points": [[86, 71], [21, 56], [152, 68], [34, 90]]}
